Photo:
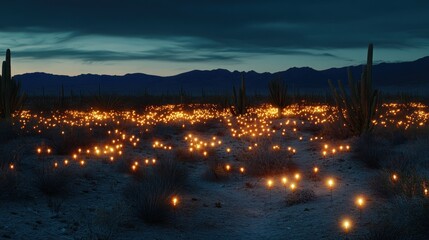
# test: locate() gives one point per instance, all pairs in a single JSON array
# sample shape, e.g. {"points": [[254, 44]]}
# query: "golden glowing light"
{"points": [[175, 201], [330, 182], [360, 201], [346, 225], [315, 169], [269, 183], [284, 180], [297, 176]]}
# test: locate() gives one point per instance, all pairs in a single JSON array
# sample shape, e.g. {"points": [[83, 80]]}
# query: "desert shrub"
{"points": [[401, 162], [104, 224], [9, 179], [300, 196], [124, 163], [385, 231], [263, 160], [370, 150], [106, 102], [7, 131], [408, 184], [9, 183], [216, 169], [53, 181], [10, 155], [416, 133], [173, 173], [393, 135], [335, 127], [151, 197], [184, 155], [72, 139], [402, 218]]}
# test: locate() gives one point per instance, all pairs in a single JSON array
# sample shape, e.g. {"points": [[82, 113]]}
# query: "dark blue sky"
{"points": [[168, 37]]}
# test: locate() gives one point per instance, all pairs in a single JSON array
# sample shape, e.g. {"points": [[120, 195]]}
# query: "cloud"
{"points": [[280, 24], [101, 56], [208, 31]]}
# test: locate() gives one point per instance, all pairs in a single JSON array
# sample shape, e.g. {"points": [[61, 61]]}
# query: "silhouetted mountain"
{"points": [[411, 76]]}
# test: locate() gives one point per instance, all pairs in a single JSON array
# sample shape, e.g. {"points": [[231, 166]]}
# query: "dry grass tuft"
{"points": [[300, 196], [54, 181], [263, 161], [151, 197]]}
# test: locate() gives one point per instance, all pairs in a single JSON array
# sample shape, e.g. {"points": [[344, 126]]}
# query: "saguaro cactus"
{"points": [[11, 98], [358, 109], [239, 99], [278, 93]]}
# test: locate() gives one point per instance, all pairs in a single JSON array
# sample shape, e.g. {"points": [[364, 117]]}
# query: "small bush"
{"points": [[9, 179], [300, 196], [184, 155], [53, 181], [370, 150], [393, 135], [10, 155], [263, 161], [408, 184], [9, 184], [7, 131], [335, 128], [72, 139], [216, 169], [150, 199], [172, 172], [105, 223], [385, 231], [402, 218]]}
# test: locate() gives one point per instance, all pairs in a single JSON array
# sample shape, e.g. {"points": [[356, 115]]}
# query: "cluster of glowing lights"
{"points": [[200, 145], [259, 122]]}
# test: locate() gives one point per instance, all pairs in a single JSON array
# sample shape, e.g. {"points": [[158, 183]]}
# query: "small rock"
{"points": [[218, 204]]}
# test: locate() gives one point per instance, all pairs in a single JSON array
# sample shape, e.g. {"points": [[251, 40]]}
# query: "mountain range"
{"points": [[389, 77]]}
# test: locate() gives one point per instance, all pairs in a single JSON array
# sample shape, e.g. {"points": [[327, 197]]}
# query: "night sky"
{"points": [[169, 37]]}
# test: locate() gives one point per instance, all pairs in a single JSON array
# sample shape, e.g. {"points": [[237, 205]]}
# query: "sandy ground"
{"points": [[244, 213]]}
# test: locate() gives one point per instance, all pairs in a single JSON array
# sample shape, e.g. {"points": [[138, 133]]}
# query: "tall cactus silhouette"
{"points": [[11, 98], [239, 99], [278, 94], [360, 108]]}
